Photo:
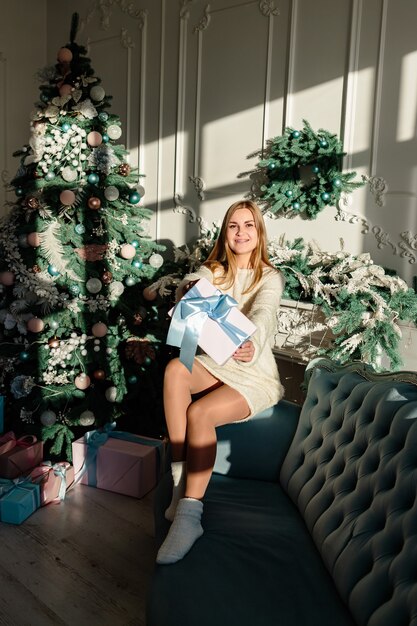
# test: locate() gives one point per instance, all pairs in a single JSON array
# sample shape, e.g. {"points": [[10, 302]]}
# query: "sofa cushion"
{"points": [[254, 565], [352, 472], [256, 448]]}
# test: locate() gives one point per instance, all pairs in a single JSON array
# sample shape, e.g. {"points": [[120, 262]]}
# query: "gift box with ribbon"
{"points": [[18, 500], [117, 461], [207, 318], [53, 479], [18, 455]]}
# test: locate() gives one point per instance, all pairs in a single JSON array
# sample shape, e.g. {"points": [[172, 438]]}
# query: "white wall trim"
{"points": [[378, 88], [290, 70], [350, 84]]}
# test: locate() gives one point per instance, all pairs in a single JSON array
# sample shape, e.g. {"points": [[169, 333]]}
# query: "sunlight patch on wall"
{"points": [[407, 105], [226, 143]]}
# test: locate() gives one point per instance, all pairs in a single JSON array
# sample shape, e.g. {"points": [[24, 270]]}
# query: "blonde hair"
{"points": [[223, 258]]}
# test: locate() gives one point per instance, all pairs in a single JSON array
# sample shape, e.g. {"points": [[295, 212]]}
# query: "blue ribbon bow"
{"points": [[189, 316]]}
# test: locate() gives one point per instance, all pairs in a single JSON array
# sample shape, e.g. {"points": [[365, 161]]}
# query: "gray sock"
{"points": [[178, 469], [184, 532]]}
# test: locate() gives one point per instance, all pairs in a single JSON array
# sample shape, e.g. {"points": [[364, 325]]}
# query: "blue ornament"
{"points": [[105, 138], [271, 166], [315, 169], [296, 206], [337, 182], [296, 134], [323, 143], [103, 116], [19, 191], [49, 176], [93, 178], [74, 289], [134, 197], [148, 360], [44, 97], [129, 281], [137, 263], [79, 229], [135, 243], [24, 356], [325, 196], [132, 380], [289, 193], [65, 127], [54, 324], [52, 270]]}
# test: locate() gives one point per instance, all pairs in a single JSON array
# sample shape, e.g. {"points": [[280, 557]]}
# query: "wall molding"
{"points": [[378, 88], [350, 83], [290, 69]]}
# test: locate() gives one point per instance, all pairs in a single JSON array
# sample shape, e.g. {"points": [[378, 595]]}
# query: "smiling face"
{"points": [[242, 236]]}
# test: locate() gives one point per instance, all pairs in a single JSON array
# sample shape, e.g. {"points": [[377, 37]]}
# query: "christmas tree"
{"points": [[79, 327]]}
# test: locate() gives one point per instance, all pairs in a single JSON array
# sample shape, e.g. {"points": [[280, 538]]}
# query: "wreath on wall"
{"points": [[300, 173]]}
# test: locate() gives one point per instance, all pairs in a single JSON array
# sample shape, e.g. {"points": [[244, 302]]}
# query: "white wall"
{"points": [[201, 86], [22, 53]]}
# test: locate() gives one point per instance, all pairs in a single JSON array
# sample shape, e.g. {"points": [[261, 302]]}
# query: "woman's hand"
{"points": [[245, 352]]}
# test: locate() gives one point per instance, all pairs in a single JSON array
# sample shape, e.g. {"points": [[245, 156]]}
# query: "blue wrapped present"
{"points": [[210, 319], [18, 500]]}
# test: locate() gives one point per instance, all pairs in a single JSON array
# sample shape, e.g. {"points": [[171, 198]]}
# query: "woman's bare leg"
{"points": [[220, 406], [179, 385]]}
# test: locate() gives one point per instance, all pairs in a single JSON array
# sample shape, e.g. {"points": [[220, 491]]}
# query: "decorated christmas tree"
{"points": [[79, 328]]}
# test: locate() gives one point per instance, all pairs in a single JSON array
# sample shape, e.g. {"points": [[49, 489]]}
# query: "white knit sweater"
{"points": [[258, 381]]}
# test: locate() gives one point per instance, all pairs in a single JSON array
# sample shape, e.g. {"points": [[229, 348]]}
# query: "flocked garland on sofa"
{"points": [[361, 303], [300, 173]]}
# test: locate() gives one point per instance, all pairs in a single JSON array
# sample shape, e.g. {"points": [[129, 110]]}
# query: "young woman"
{"points": [[248, 383]]}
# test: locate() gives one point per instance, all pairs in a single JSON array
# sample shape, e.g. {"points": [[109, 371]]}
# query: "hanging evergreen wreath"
{"points": [[301, 173]]}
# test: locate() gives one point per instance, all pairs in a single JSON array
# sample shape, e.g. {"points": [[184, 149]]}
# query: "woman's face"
{"points": [[242, 236]]}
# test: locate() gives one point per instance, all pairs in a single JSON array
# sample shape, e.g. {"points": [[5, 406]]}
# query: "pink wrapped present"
{"points": [[17, 456], [53, 479], [206, 317], [117, 461]]}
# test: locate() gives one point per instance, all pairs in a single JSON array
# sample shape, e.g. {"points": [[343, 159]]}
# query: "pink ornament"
{"points": [[35, 325], [149, 294], [67, 197], [34, 239], [64, 55], [82, 381], [65, 90], [127, 251], [99, 329], [94, 139], [7, 278]]}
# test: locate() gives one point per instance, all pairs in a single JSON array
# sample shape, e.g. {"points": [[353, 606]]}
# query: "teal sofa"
{"points": [[310, 518]]}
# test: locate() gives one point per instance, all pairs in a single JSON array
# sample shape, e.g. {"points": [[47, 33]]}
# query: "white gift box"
{"points": [[213, 338]]}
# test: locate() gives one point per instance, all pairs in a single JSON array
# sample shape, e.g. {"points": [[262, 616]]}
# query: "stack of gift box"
{"points": [[26, 480], [107, 459]]}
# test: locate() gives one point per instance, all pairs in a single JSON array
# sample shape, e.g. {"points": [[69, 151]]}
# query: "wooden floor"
{"points": [[85, 562]]}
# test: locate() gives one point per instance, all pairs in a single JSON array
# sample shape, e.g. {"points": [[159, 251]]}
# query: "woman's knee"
{"points": [[174, 370]]}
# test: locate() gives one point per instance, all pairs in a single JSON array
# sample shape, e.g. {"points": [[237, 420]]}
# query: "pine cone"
{"points": [[139, 350]]}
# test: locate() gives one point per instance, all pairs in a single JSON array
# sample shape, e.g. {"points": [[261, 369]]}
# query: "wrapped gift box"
{"points": [[17, 456], [214, 321], [53, 479], [19, 502], [124, 463]]}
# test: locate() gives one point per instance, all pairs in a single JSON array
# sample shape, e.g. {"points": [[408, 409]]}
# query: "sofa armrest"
{"points": [[256, 449]]}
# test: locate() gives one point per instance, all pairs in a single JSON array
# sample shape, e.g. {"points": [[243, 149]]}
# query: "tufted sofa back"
{"points": [[351, 470]]}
